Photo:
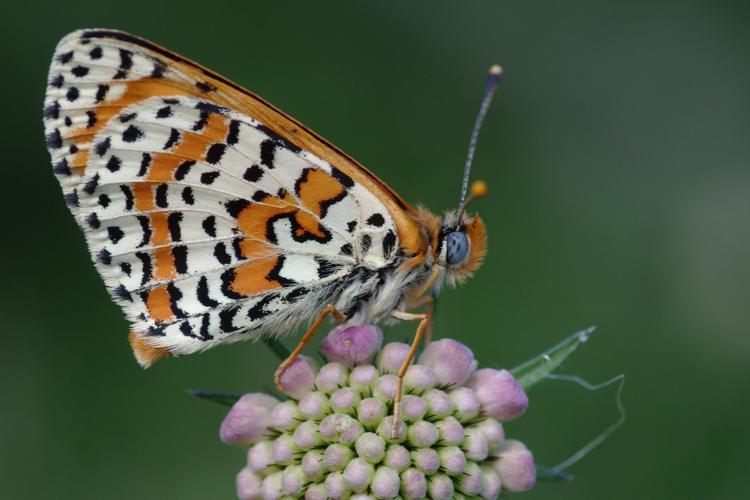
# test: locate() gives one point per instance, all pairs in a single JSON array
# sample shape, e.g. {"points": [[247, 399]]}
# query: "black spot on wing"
{"points": [[235, 207], [174, 297], [129, 200], [187, 196], [122, 293], [126, 268], [205, 87], [173, 223], [164, 112], [183, 169], [267, 152], [145, 164], [215, 152], [127, 117], [160, 197], [209, 177], [326, 267], [91, 184], [146, 266], [259, 311], [102, 146], [226, 318], [126, 59], [376, 220], [174, 136], [95, 53], [132, 134], [80, 71], [90, 119], [104, 200], [227, 278], [104, 257], [209, 226], [52, 111], [145, 229], [220, 252], [113, 164], [101, 92], [61, 167], [72, 94], [180, 259], [202, 293], [57, 81], [115, 234], [253, 173], [71, 199], [389, 242], [233, 136], [201, 122], [340, 176], [54, 139]]}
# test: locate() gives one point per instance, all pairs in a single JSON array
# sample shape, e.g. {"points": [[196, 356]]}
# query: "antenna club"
{"points": [[479, 189], [496, 70]]}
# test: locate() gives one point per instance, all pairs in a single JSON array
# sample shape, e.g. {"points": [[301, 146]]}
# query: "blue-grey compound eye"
{"points": [[457, 246]]}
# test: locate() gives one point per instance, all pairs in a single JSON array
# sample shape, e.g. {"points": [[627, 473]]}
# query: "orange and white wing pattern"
{"points": [[211, 216]]}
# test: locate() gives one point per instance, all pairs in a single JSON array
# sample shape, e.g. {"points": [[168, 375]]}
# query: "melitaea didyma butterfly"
{"points": [[213, 217]]}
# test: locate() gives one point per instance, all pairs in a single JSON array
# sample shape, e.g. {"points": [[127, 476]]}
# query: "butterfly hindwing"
{"points": [[205, 222]]}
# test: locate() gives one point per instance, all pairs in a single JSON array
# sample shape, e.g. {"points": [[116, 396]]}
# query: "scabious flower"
{"points": [[334, 437]]}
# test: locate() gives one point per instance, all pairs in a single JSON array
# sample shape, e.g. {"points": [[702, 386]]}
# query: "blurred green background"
{"points": [[618, 158]]}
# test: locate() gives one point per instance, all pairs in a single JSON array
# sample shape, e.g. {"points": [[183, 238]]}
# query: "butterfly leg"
{"points": [[329, 309], [428, 302], [424, 321]]}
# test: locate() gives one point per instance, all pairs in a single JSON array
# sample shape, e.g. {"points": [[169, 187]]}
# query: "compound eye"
{"points": [[457, 246]]}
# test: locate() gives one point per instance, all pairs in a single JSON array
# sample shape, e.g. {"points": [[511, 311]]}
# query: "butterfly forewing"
{"points": [[204, 217]]}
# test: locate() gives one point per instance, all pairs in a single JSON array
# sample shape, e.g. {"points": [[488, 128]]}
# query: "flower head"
{"points": [[334, 437]]}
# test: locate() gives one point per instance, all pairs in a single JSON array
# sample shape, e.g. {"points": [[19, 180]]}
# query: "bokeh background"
{"points": [[618, 158]]}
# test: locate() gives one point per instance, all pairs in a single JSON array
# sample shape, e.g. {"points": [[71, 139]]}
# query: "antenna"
{"points": [[493, 78]]}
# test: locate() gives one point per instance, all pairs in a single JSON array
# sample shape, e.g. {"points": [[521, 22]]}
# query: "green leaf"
{"points": [[222, 398], [531, 372]]}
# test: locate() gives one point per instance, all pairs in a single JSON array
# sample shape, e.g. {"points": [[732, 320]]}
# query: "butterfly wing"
{"points": [[209, 214]]}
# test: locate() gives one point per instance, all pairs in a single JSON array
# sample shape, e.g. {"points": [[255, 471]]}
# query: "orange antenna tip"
{"points": [[479, 189]]}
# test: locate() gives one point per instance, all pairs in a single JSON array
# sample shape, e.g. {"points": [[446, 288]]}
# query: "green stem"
{"points": [[278, 348]]}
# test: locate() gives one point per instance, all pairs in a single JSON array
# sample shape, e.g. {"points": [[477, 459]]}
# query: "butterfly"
{"points": [[213, 217]]}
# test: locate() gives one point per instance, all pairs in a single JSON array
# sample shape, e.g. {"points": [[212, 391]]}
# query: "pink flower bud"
{"points": [[440, 487], [397, 457], [341, 428], [475, 445], [451, 431], [371, 447], [471, 479], [299, 378], [248, 485], [490, 483], [312, 465], [392, 356], [260, 455], [466, 402], [452, 362], [344, 400], [422, 434], [515, 466], [493, 433], [385, 483], [316, 492], [248, 420], [292, 480], [439, 404], [414, 483], [362, 377], [352, 345], [284, 449], [358, 474], [500, 394], [330, 377], [370, 411], [452, 460], [385, 387], [285, 415], [306, 436], [426, 459], [336, 485], [337, 456], [271, 486], [419, 378], [413, 408], [313, 405]]}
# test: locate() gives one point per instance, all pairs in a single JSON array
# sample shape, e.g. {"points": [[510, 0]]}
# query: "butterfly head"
{"points": [[461, 243]]}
